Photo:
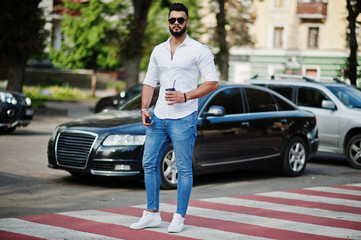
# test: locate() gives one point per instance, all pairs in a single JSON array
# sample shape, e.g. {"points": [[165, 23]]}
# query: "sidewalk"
{"points": [[71, 109]]}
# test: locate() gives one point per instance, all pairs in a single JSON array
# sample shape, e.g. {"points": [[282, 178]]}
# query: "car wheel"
{"points": [[353, 151], [168, 169], [6, 130], [294, 158]]}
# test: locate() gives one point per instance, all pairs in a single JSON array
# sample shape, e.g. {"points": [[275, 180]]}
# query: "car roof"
{"points": [[297, 82]]}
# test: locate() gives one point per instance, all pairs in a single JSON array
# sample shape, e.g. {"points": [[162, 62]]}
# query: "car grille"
{"points": [[73, 148]]}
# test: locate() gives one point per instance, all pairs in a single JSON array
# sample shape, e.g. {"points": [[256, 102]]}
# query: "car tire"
{"points": [[294, 158], [168, 169], [353, 151]]}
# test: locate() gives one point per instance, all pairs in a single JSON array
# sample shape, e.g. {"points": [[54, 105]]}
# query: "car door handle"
{"points": [[284, 121], [245, 124]]}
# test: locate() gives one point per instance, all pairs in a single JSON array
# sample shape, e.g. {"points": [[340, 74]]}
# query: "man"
{"points": [[179, 62]]}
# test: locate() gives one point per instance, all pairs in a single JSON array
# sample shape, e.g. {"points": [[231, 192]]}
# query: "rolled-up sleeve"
{"points": [[152, 76], [206, 65]]}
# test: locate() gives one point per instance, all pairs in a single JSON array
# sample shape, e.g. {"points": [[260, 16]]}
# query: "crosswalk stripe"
{"points": [[326, 194], [105, 229], [351, 192], [322, 213], [257, 226], [110, 216], [286, 208], [44, 230], [313, 198], [350, 187], [288, 200]]}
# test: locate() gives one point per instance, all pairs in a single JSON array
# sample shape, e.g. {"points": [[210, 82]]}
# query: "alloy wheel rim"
{"points": [[355, 152], [170, 171], [297, 157]]}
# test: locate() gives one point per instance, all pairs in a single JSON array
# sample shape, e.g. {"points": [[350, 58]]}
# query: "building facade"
{"points": [[307, 37]]}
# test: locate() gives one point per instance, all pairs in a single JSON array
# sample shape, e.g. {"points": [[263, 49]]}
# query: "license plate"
{"points": [[29, 112]]}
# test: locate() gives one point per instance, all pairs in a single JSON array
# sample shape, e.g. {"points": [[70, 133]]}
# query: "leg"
{"points": [[155, 143], [183, 133]]}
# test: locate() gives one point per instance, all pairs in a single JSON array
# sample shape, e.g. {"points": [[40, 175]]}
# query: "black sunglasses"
{"points": [[180, 20]]}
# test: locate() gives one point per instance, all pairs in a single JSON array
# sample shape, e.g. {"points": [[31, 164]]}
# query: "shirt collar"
{"points": [[185, 42]]}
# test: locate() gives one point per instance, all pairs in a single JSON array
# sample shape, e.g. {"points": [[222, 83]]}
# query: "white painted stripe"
{"points": [[268, 222], [287, 208], [312, 198], [20, 226], [354, 184], [189, 231], [336, 190]]}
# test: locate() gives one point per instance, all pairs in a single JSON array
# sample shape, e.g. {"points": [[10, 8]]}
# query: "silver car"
{"points": [[337, 107]]}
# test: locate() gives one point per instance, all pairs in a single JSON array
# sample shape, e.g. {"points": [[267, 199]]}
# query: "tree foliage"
{"points": [[22, 36], [90, 36], [231, 30]]}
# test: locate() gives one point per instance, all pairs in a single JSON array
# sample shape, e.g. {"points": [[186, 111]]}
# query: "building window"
{"points": [[313, 37], [278, 37], [279, 3]]}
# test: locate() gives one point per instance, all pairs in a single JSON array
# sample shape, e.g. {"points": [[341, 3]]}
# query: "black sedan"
{"points": [[15, 111], [239, 126]]}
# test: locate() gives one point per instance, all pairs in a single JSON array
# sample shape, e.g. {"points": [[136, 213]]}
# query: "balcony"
{"points": [[314, 11]]}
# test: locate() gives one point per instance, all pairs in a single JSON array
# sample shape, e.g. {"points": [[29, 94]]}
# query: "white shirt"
{"points": [[190, 61]]}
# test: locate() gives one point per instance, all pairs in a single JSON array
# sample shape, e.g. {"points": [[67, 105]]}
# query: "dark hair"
{"points": [[180, 7]]}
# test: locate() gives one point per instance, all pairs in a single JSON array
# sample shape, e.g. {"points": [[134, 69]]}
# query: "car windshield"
{"points": [[349, 96], [135, 102]]}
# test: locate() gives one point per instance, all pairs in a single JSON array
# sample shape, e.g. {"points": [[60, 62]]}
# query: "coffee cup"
{"points": [[170, 90]]}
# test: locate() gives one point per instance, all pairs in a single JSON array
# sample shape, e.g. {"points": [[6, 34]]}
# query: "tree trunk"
{"points": [[93, 83], [223, 54], [352, 59], [16, 72], [133, 50], [132, 77]]}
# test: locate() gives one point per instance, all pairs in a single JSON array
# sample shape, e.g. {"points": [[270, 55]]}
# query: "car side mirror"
{"points": [[328, 105], [216, 111]]}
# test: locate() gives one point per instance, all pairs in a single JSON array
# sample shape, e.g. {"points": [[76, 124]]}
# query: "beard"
{"points": [[177, 34]]}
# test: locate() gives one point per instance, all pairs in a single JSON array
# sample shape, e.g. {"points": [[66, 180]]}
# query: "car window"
{"points": [[135, 102], [284, 106], [260, 101], [285, 91], [349, 96], [310, 97], [230, 99]]}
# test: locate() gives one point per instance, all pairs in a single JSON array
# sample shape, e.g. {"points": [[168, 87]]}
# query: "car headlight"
{"points": [[28, 101], [124, 140], [8, 98]]}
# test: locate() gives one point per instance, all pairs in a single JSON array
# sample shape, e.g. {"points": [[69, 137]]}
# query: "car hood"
{"points": [[108, 119]]}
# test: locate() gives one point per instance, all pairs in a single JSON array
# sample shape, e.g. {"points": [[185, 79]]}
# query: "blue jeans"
{"points": [[182, 133]]}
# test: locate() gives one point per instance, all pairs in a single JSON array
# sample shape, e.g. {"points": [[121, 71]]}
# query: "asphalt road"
{"points": [[28, 187]]}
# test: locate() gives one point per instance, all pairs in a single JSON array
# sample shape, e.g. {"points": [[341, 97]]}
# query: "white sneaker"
{"points": [[177, 224], [149, 219]]}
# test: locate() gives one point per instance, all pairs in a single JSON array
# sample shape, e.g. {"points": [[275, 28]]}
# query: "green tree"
{"points": [[90, 36], [232, 18], [22, 36], [131, 41], [354, 9]]}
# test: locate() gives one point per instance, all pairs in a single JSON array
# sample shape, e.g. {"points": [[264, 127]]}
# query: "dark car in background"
{"points": [[115, 101], [15, 111], [238, 127]]}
